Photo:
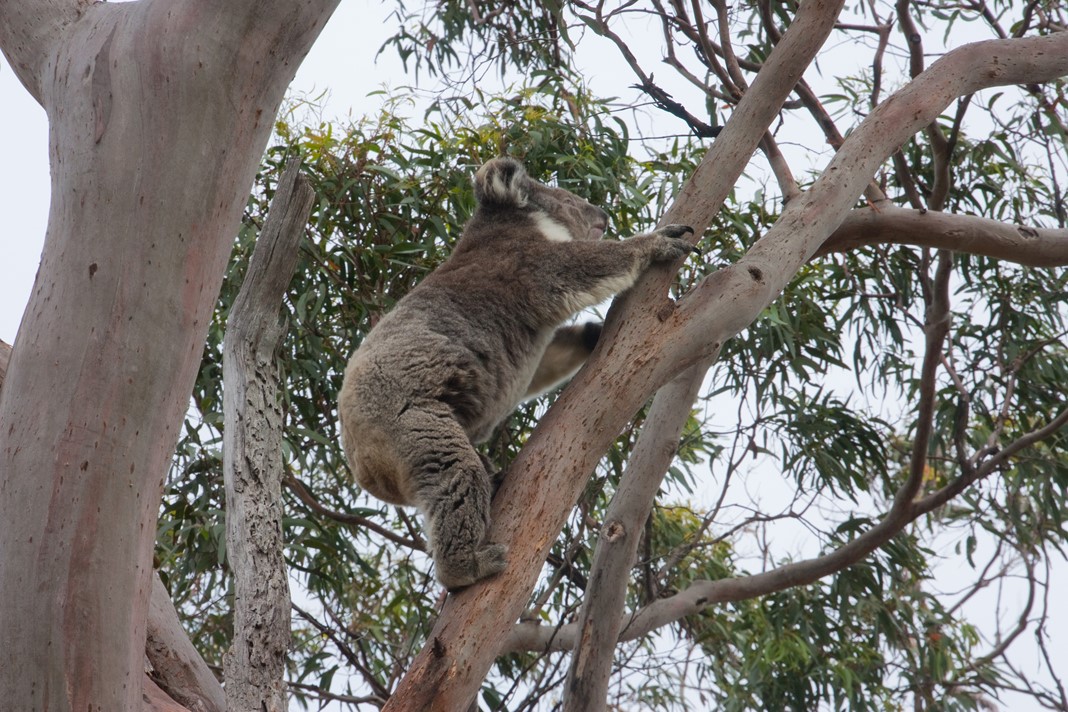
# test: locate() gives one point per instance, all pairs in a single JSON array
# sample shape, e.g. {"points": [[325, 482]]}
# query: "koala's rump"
{"points": [[365, 435], [411, 367]]}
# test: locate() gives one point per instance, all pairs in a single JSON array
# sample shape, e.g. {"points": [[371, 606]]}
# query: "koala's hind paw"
{"points": [[487, 561], [670, 243], [491, 559]]}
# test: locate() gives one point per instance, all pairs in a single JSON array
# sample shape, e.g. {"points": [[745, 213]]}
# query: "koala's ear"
{"points": [[502, 182]]}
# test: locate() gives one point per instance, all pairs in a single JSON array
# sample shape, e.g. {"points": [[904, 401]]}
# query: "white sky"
{"points": [[342, 61]]}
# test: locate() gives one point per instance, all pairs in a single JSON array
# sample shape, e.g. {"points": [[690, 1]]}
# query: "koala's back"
{"points": [[464, 343]]}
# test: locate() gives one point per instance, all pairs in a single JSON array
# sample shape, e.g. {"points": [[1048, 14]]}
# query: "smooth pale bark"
{"points": [[887, 224], [159, 112], [254, 667], [177, 667], [545, 480], [600, 616]]}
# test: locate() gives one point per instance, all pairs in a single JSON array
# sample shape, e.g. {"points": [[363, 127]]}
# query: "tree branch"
{"points": [[353, 520], [701, 594], [177, 666], [887, 224], [600, 617], [154, 699], [252, 463]]}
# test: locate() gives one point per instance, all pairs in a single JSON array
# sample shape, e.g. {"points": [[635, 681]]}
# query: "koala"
{"points": [[478, 335]]}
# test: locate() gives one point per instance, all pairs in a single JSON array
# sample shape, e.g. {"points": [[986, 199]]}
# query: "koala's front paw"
{"points": [[675, 230], [670, 244]]}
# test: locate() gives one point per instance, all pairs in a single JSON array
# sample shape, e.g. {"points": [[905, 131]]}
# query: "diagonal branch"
{"points": [[177, 667], [600, 617]]}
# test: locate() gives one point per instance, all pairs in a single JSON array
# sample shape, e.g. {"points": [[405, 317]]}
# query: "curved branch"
{"points": [[177, 666], [885, 223], [30, 31]]}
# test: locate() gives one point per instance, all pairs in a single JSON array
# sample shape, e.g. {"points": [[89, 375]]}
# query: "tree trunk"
{"points": [[254, 667], [159, 112]]}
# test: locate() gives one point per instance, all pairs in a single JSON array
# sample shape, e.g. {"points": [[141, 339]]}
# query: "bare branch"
{"points": [[780, 168], [252, 459], [177, 667], [602, 607], [301, 490], [887, 224]]}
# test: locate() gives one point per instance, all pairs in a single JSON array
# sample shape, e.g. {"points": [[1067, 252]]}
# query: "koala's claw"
{"points": [[671, 244], [675, 230]]}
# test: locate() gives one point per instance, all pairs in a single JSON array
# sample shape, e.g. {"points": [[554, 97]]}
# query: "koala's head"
{"points": [[503, 184]]}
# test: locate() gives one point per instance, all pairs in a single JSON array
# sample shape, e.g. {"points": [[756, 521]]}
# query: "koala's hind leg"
{"points": [[452, 488], [568, 350]]}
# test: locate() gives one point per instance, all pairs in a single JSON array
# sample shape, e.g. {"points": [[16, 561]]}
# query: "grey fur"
{"points": [[473, 339]]}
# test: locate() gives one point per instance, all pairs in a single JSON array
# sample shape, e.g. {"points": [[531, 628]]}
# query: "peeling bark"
{"points": [[254, 666]]}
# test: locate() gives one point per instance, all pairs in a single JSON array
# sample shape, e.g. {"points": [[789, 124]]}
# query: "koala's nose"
{"points": [[601, 219]]}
